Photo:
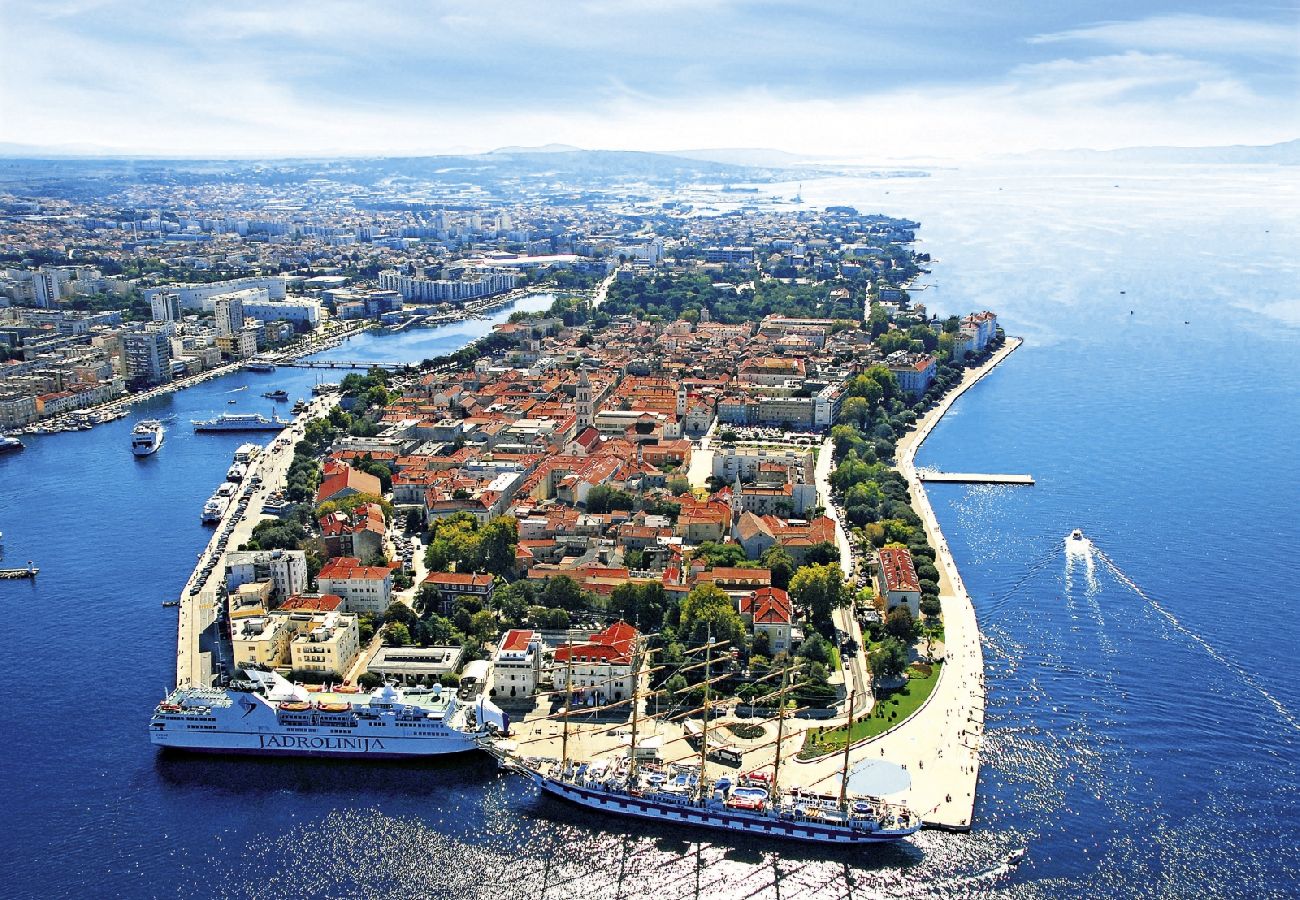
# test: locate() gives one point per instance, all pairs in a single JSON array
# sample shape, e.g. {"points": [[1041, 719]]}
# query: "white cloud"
{"points": [[1187, 33]]}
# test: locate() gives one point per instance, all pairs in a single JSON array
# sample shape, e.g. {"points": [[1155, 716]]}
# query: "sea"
{"points": [[1144, 695]]}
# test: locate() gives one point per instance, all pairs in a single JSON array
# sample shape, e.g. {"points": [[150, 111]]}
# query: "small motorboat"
{"points": [[1077, 534]]}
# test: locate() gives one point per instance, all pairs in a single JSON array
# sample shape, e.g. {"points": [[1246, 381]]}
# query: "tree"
{"points": [[643, 605], [709, 610], [603, 498], [888, 660], [397, 635], [930, 606], [819, 589], [496, 545], [562, 592], [781, 564], [822, 553], [900, 625], [721, 554]]}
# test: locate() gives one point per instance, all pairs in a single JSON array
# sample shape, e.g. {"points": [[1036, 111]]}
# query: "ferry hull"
{"points": [[713, 818], [308, 745]]}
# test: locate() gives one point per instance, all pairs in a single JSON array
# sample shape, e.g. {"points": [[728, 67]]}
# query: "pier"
{"points": [[971, 477], [29, 572]]}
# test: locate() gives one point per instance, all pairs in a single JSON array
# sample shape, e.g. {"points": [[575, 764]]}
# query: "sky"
{"points": [[865, 79]]}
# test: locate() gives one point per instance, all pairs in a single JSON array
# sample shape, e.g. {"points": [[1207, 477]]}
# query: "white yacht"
{"points": [[147, 437], [215, 508]]}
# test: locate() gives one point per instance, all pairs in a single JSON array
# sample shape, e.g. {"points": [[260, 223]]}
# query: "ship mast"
{"points": [[704, 734], [848, 739], [568, 707], [780, 730], [636, 704]]}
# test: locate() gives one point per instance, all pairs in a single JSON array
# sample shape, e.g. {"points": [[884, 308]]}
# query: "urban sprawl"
{"points": [[694, 445]]}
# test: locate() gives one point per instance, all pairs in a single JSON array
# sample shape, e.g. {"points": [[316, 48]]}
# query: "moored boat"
{"points": [[684, 794], [241, 422], [268, 715]]}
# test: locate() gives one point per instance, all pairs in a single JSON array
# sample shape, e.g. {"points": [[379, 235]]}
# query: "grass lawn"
{"points": [[834, 664], [891, 709]]}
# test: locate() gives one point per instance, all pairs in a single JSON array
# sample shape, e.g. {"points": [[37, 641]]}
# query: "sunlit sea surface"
{"points": [[1144, 700]]}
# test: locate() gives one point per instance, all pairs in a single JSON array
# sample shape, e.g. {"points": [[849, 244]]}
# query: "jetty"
{"points": [[971, 477], [11, 574]]}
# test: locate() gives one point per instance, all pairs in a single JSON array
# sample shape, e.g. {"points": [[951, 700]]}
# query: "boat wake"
{"points": [[1241, 672]]}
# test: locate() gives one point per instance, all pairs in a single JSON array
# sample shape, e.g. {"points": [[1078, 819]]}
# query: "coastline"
{"points": [[116, 408], [939, 743], [946, 798]]}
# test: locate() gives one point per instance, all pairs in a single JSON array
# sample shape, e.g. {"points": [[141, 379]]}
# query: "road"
{"points": [[857, 681], [198, 608]]}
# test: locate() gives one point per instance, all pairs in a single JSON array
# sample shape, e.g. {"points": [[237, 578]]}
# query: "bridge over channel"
{"points": [[343, 364]]}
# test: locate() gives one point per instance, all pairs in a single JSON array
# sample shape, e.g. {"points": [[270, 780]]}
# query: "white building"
{"points": [[165, 307], [303, 312], [200, 296], [600, 670], [364, 589], [517, 664], [441, 290], [285, 569]]}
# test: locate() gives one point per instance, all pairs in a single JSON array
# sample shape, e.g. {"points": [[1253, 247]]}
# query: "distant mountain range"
{"points": [[1286, 153]]}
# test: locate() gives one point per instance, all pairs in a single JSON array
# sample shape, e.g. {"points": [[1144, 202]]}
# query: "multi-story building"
{"points": [[285, 569], [329, 642], [165, 307], [229, 309], [364, 589], [517, 665], [443, 290], [200, 296], [148, 355], [600, 670], [914, 371], [451, 586], [898, 582]]}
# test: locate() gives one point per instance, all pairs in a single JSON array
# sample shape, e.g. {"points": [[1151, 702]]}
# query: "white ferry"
{"points": [[241, 422], [9, 443], [147, 437], [214, 509], [271, 716], [236, 472]]}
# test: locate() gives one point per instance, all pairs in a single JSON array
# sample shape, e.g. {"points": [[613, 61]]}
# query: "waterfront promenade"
{"points": [[940, 743], [195, 638]]}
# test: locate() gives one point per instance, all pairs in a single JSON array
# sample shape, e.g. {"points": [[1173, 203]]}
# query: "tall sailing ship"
{"points": [[683, 793]]}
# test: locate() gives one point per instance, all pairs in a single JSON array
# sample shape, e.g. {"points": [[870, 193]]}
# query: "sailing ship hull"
{"points": [[715, 818]]}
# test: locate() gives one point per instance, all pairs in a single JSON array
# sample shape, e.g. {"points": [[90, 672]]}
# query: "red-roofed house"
{"points": [[360, 534], [453, 585], [769, 611], [342, 480], [600, 670], [312, 603], [366, 589], [517, 665], [898, 582]]}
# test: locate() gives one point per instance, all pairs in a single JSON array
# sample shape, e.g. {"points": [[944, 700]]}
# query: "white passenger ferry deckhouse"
{"points": [[271, 716]]}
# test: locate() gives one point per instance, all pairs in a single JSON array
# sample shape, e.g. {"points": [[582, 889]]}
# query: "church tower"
{"points": [[585, 415]]}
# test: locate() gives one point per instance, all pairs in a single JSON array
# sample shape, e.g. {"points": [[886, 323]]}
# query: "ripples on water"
{"points": [[1140, 735]]}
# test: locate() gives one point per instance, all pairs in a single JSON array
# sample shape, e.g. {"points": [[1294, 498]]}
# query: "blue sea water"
{"points": [[1144, 706]]}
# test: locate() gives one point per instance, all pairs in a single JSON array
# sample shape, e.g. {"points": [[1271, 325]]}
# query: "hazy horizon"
{"points": [[431, 78]]}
